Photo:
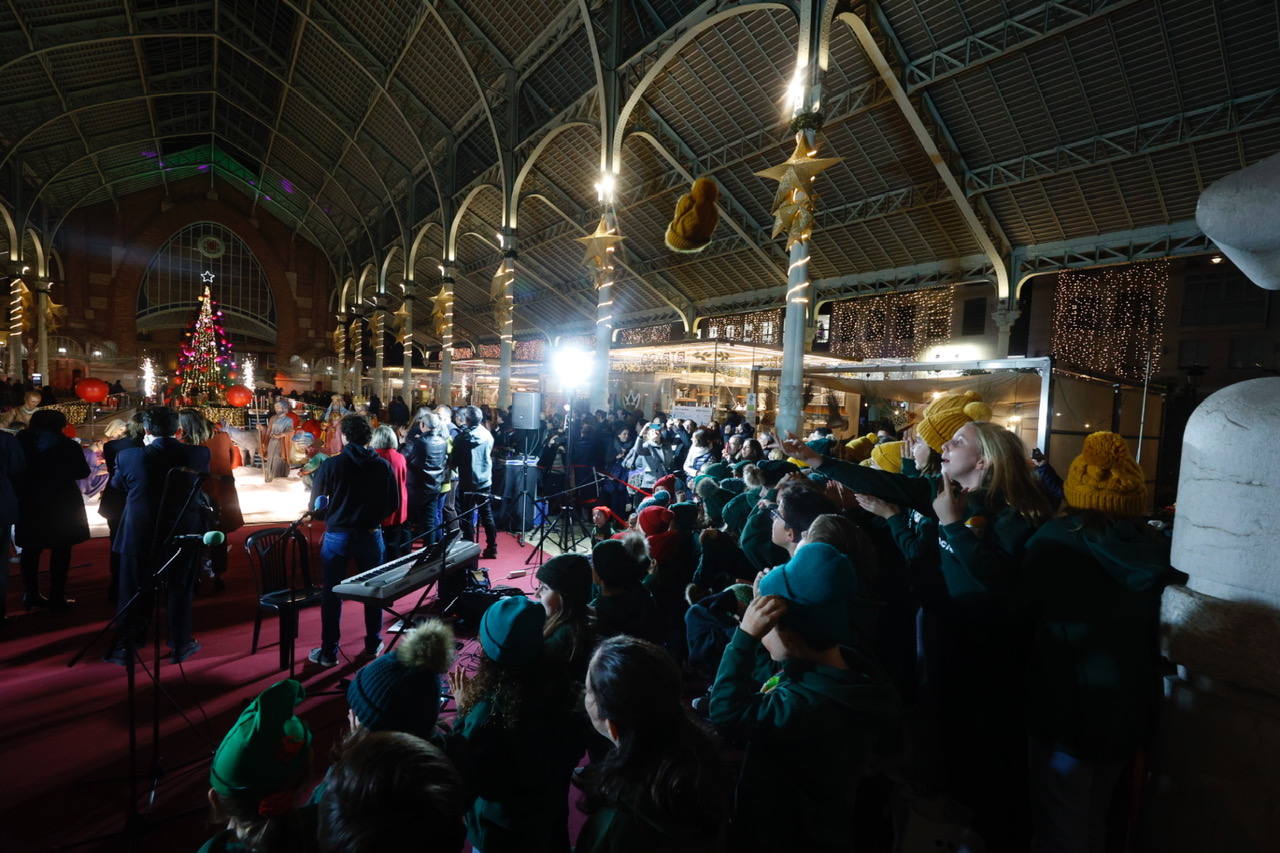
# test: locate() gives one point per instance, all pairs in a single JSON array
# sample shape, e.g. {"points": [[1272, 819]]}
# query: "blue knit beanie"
{"points": [[400, 691], [818, 584], [511, 631]]}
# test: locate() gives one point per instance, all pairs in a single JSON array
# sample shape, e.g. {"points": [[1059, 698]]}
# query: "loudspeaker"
{"points": [[525, 408]]}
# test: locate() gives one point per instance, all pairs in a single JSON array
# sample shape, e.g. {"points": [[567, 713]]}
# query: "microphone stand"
{"points": [[134, 825], [563, 524]]}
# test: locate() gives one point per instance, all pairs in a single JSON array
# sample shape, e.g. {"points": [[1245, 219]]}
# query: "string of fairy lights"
{"points": [[896, 325], [641, 335], [755, 327], [1111, 322]]}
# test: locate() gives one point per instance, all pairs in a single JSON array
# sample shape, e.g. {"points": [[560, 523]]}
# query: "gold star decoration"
{"points": [[440, 310], [600, 246], [793, 202]]}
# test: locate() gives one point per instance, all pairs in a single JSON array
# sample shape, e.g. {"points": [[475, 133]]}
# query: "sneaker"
{"points": [[373, 648], [189, 648], [490, 553], [322, 658]]}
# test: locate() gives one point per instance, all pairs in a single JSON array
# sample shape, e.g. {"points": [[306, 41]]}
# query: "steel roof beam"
{"points": [[1016, 33], [1227, 117]]}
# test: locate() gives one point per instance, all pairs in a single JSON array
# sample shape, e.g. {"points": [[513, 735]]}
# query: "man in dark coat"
{"points": [[111, 504], [50, 507], [11, 467], [361, 492], [426, 454], [398, 412], [150, 516], [472, 458]]}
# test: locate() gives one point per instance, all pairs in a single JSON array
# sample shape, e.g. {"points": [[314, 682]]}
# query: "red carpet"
{"points": [[64, 731]]}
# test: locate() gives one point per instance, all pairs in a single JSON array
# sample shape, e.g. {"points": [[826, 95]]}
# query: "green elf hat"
{"points": [[739, 465], [736, 511], [714, 501], [774, 470], [685, 516], [737, 485], [718, 471], [267, 752], [818, 585], [511, 631]]}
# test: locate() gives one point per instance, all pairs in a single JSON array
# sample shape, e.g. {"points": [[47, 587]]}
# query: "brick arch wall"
{"points": [[107, 253]]}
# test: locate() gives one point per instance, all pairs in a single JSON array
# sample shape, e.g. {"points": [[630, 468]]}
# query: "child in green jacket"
{"points": [[517, 738], [813, 729]]}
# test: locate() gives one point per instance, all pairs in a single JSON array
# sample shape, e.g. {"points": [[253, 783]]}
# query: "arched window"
{"points": [[173, 283]]}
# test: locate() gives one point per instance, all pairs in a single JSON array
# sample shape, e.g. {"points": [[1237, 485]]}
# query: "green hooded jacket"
{"points": [[1091, 592], [810, 734]]}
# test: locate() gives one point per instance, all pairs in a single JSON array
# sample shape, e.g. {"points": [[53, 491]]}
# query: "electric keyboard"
{"points": [[383, 584]]}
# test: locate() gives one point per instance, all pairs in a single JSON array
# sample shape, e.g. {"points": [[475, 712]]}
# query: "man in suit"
{"points": [[111, 505], [150, 516], [361, 492]]}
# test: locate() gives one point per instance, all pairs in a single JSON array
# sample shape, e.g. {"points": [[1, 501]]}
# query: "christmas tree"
{"points": [[205, 361]]}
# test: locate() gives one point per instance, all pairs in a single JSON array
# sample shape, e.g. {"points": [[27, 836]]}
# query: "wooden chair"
{"points": [[280, 560]]}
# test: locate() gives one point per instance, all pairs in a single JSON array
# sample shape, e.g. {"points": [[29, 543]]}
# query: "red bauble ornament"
{"points": [[239, 396], [92, 390]]}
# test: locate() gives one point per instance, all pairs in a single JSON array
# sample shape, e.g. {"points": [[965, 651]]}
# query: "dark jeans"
{"points": [[430, 518], [338, 550], [395, 539], [59, 566], [179, 579], [477, 500]]}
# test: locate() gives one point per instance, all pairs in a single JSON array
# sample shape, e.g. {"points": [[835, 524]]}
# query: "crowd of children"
{"points": [[817, 648]]}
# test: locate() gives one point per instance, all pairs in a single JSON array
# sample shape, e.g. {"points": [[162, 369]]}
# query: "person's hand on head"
{"points": [[877, 506], [755, 584], [762, 615], [841, 495], [949, 505]]}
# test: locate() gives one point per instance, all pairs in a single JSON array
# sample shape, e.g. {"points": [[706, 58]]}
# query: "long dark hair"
{"points": [[665, 766], [517, 694]]}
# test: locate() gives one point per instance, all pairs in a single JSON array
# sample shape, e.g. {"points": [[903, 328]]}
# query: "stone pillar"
{"points": [[444, 392], [604, 279], [1216, 755], [1005, 316], [15, 327], [791, 380], [406, 335], [508, 271], [378, 329], [42, 329]]}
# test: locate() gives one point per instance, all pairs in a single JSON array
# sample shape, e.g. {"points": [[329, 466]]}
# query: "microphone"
{"points": [[213, 537]]}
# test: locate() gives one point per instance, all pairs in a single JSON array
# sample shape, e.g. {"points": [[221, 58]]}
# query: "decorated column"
{"points": [[340, 352], [404, 321], [601, 246], [42, 329], [378, 329], [444, 305], [16, 321], [502, 294], [793, 208]]}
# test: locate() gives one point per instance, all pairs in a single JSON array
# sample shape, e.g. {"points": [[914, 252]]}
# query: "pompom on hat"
{"points": [[267, 751], [400, 691], [947, 414], [695, 218], [1105, 478], [888, 456]]}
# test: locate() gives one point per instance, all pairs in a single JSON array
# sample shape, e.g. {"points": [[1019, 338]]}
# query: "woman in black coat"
{"points": [[50, 507]]}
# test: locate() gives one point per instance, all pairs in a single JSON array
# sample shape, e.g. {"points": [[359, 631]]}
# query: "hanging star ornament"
{"points": [[206, 277], [440, 310], [793, 202], [600, 246]]}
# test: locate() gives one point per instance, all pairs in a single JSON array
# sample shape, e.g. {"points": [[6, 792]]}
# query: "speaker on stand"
{"points": [[526, 411]]}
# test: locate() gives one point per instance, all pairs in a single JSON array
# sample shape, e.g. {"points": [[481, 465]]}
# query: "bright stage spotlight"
{"points": [[572, 367]]}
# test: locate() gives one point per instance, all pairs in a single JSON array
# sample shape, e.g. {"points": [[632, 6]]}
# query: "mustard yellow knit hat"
{"points": [[1105, 477], [888, 456], [860, 447], [947, 414]]}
